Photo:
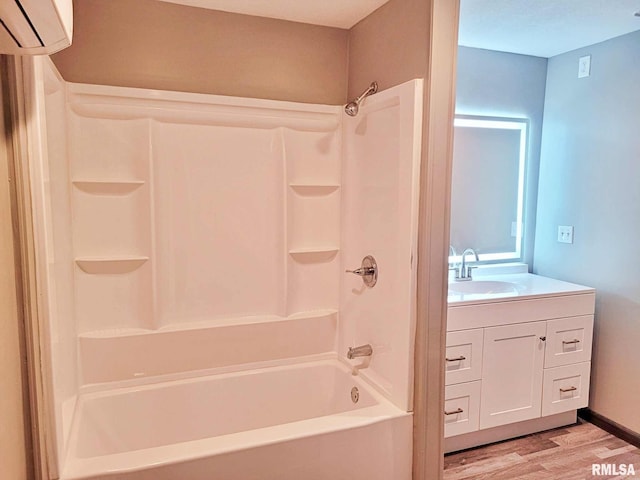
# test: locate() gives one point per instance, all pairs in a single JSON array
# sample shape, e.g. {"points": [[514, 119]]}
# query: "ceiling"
{"points": [[331, 13], [544, 28]]}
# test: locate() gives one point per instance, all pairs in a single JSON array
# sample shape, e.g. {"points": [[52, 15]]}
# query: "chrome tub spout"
{"points": [[361, 351]]}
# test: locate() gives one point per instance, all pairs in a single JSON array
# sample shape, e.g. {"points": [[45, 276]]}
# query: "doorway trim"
{"points": [[27, 144], [433, 242]]}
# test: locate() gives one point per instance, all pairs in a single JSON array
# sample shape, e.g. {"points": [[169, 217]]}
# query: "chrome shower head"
{"points": [[352, 108]]}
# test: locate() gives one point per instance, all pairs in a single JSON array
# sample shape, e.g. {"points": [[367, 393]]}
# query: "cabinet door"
{"points": [[513, 360], [463, 359]]}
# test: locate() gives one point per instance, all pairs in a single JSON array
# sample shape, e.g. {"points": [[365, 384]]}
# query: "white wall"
{"points": [[502, 84], [589, 173]]}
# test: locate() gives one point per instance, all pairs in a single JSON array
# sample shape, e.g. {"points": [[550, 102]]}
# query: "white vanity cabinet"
{"points": [[516, 365]]}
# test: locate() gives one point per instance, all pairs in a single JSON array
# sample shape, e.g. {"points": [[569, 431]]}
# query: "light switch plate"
{"points": [[565, 233], [584, 66]]}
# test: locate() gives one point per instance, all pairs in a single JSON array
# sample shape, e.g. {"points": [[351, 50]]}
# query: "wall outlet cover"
{"points": [[565, 233]]}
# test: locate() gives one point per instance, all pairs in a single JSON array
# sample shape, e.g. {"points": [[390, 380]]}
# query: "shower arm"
{"points": [[373, 88]]}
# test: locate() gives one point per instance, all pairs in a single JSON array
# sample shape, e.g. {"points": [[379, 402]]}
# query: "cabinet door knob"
{"points": [[543, 339]]}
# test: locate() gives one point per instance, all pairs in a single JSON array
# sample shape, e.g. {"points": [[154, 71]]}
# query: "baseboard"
{"points": [[610, 426]]}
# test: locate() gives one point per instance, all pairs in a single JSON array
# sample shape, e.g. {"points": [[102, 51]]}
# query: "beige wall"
{"points": [[158, 45], [12, 434], [390, 46]]}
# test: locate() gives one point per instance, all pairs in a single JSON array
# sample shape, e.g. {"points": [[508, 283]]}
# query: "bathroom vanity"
{"points": [[518, 357]]}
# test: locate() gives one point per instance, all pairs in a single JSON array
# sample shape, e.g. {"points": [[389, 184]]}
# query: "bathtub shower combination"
{"points": [[192, 252]]}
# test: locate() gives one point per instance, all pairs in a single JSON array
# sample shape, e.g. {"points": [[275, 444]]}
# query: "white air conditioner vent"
{"points": [[35, 27]]}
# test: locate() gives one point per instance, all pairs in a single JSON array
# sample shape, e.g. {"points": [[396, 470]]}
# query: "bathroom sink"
{"points": [[505, 287], [483, 287]]}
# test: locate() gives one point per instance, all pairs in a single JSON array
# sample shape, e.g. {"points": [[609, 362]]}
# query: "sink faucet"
{"points": [[465, 270], [361, 351]]}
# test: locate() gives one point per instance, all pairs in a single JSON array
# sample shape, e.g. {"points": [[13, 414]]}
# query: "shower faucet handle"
{"points": [[362, 271], [368, 271]]}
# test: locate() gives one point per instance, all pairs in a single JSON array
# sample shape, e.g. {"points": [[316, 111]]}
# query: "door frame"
{"points": [[27, 144], [433, 241]]}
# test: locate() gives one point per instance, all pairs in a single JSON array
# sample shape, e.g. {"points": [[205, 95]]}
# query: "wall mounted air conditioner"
{"points": [[35, 27]]}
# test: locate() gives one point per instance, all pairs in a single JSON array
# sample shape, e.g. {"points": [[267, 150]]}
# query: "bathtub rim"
{"points": [[356, 364], [77, 468]]}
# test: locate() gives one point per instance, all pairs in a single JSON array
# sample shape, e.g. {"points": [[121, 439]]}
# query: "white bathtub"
{"points": [[280, 423]]}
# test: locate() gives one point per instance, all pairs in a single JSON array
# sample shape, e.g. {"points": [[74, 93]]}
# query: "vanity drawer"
{"points": [[461, 408], [463, 358], [565, 388], [568, 341]]}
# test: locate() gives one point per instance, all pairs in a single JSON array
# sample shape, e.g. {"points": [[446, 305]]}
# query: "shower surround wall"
{"points": [[186, 235], [197, 213], [379, 214]]}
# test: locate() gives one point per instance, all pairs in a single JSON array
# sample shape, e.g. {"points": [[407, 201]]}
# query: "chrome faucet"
{"points": [[361, 351], [465, 270]]}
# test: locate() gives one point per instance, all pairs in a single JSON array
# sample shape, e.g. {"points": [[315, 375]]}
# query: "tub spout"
{"points": [[361, 351]]}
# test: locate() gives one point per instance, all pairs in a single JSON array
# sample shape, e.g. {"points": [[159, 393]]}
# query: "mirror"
{"points": [[487, 188]]}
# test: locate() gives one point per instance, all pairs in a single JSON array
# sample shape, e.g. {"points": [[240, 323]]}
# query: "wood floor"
{"points": [[560, 454]]}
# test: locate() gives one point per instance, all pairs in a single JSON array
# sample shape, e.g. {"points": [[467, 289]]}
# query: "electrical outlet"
{"points": [[565, 233]]}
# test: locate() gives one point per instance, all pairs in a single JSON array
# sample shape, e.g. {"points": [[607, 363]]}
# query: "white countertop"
{"points": [[515, 286]]}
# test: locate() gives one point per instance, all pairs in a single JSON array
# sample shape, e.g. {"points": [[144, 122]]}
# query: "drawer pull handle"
{"points": [[570, 342], [570, 389], [455, 412], [457, 359]]}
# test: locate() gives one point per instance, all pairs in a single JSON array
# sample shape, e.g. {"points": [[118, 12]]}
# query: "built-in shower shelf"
{"points": [[110, 265], [313, 190], [320, 254], [115, 332], [99, 187]]}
